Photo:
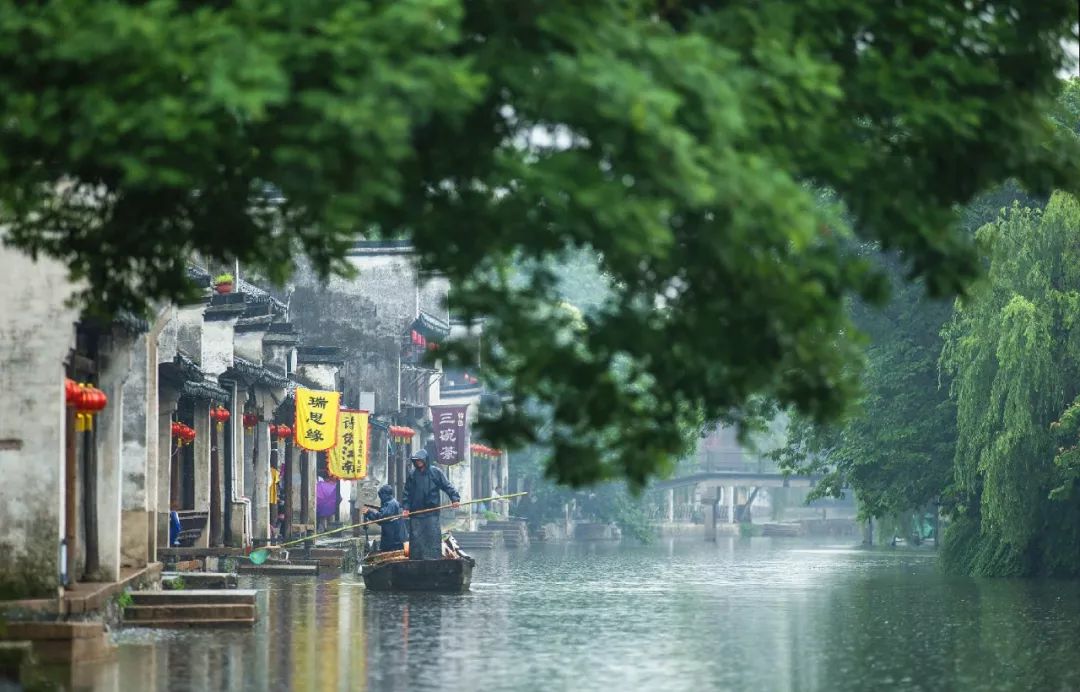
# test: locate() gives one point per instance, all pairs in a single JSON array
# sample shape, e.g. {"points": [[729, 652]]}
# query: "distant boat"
{"points": [[448, 575]]}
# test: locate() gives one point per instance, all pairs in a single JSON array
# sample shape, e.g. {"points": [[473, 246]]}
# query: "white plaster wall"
{"points": [[37, 329], [249, 346], [217, 346], [324, 376], [167, 339], [190, 330]]}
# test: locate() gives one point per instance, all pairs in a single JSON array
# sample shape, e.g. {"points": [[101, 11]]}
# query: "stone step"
{"points": [[328, 562], [201, 580], [209, 622], [503, 525], [479, 539], [201, 611], [280, 570], [194, 597], [66, 642], [781, 530], [74, 650], [38, 631]]}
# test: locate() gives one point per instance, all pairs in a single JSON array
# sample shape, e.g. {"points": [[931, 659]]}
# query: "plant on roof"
{"points": [[223, 279]]}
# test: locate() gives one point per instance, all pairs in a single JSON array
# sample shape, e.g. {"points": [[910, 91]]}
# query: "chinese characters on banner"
{"points": [[449, 426], [348, 460], [316, 419]]}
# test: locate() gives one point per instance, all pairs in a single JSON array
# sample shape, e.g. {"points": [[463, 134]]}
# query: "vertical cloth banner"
{"points": [[449, 425], [316, 419], [348, 460]]}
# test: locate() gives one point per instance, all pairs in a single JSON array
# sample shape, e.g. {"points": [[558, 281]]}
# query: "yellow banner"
{"points": [[348, 460], [316, 419]]}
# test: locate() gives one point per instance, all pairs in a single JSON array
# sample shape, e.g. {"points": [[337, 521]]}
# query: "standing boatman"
{"points": [[422, 492]]}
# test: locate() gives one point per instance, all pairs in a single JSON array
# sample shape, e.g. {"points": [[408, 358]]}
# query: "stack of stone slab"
{"points": [[781, 529], [191, 608], [175, 581], [63, 642], [478, 540], [514, 532]]}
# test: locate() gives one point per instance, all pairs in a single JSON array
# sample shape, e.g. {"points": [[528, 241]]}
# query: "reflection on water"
{"points": [[768, 614]]}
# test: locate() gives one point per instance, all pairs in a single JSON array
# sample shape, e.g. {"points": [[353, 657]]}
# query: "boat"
{"points": [[394, 571], [448, 575]]}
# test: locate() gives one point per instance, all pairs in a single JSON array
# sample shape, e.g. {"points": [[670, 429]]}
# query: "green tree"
{"points": [[895, 446], [681, 141], [1013, 351]]}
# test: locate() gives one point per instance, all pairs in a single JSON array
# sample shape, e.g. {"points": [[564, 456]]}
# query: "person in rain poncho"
{"points": [[393, 531], [422, 489]]}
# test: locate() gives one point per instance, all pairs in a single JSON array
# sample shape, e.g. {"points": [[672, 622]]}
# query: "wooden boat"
{"points": [[448, 575]]}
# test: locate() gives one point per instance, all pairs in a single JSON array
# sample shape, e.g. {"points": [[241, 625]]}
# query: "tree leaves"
{"points": [[1012, 350], [685, 145]]}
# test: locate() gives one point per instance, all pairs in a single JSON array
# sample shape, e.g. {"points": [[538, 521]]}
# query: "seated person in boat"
{"points": [[393, 531], [422, 489]]}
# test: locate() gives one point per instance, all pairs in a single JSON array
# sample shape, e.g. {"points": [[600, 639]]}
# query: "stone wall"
{"points": [[366, 316], [37, 330]]}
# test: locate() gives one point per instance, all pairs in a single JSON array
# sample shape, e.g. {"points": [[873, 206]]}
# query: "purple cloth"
{"points": [[326, 499]]}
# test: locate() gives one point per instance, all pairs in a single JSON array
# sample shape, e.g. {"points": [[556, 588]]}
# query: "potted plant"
{"points": [[223, 283]]}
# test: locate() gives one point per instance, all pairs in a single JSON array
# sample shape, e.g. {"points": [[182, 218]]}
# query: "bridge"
{"points": [[722, 487], [739, 479]]}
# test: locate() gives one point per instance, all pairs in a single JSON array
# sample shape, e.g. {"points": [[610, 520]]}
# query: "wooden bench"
{"points": [[192, 524]]}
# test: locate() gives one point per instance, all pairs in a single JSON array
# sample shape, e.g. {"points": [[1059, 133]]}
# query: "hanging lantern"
{"points": [[280, 432], [250, 420], [71, 392], [401, 434], [183, 434], [87, 401], [219, 415], [273, 431]]}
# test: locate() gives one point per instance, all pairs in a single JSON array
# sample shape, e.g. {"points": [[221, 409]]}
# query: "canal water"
{"points": [[742, 614]]}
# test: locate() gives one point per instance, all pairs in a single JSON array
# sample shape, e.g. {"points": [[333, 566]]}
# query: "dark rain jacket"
{"points": [[393, 532], [422, 489]]}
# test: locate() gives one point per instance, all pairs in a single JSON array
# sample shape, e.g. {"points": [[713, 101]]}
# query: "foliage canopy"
{"points": [[682, 142], [1013, 351]]}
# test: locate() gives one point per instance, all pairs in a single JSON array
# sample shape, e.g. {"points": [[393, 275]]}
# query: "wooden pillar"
{"points": [[217, 487], [309, 484]]}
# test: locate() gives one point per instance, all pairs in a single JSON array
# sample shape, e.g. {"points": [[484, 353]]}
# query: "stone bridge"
{"points": [[721, 487]]}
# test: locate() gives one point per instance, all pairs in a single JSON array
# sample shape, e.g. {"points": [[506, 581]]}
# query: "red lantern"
{"points": [[219, 414], [250, 420], [93, 399], [273, 431], [283, 432], [71, 391]]}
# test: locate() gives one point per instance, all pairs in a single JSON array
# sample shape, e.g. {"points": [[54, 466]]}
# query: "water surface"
{"points": [[742, 614]]}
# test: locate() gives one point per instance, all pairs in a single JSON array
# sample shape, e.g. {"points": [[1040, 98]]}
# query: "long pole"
{"points": [[398, 516]]}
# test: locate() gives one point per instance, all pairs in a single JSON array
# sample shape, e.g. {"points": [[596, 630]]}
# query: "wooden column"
{"points": [[217, 486]]}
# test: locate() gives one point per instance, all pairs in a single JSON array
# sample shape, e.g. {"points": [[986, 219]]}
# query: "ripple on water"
{"points": [[763, 614]]}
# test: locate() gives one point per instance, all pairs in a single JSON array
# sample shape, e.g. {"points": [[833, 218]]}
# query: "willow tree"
{"points": [[1013, 351], [680, 141]]}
